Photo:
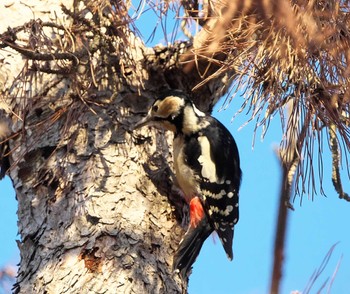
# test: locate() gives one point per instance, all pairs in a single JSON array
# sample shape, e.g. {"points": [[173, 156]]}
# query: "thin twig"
{"points": [[281, 232], [289, 159], [317, 273]]}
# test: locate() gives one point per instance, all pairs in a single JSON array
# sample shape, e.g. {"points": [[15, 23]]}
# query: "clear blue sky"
{"points": [[313, 227]]}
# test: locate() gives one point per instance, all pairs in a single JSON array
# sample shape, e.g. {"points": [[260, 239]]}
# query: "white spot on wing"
{"points": [[226, 212], [207, 193], [229, 194], [228, 182]]}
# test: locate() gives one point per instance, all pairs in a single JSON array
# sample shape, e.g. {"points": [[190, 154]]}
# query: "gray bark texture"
{"points": [[97, 210]]}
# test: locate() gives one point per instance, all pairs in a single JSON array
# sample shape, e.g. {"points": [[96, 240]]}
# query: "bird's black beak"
{"points": [[144, 121]]}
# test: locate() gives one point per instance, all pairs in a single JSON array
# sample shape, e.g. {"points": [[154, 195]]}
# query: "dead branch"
{"points": [[336, 180], [289, 159]]}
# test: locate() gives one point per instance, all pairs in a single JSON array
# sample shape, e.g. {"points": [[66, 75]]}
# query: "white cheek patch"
{"points": [[190, 121], [208, 166], [193, 120]]}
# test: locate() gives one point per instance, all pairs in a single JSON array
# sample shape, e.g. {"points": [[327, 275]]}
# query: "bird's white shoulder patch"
{"points": [[208, 166]]}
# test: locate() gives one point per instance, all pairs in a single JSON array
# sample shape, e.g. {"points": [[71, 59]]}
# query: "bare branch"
{"points": [[289, 158], [335, 164]]}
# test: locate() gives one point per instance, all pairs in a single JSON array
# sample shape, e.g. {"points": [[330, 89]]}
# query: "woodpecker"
{"points": [[207, 168]]}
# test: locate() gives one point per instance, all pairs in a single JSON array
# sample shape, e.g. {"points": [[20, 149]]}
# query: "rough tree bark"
{"points": [[96, 208]]}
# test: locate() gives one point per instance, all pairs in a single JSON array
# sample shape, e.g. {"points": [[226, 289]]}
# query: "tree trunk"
{"points": [[97, 209]]}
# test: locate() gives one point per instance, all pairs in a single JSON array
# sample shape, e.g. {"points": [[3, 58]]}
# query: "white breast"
{"points": [[185, 175]]}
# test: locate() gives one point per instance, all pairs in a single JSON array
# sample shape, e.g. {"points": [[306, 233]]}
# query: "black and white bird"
{"points": [[207, 167]]}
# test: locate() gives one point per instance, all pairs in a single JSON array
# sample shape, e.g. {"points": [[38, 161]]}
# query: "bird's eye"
{"points": [[155, 108]]}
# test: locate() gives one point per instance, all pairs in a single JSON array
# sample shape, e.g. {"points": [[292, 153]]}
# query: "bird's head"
{"points": [[174, 111]]}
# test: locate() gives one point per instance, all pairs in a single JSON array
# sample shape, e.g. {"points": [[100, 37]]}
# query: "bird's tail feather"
{"points": [[190, 247]]}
